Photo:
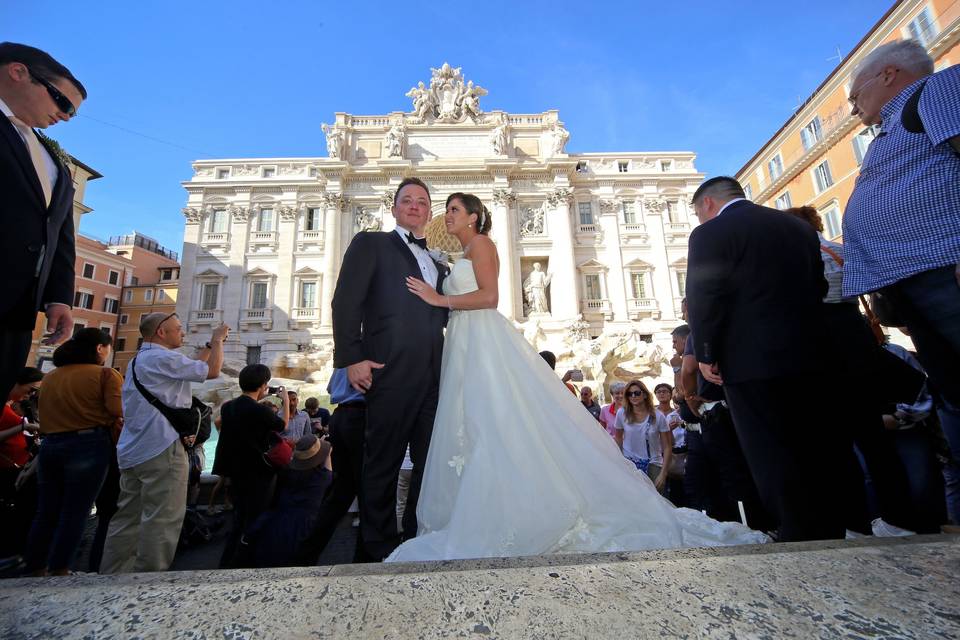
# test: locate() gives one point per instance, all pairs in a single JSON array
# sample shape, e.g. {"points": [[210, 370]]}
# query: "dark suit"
{"points": [[37, 246], [754, 291], [376, 318]]}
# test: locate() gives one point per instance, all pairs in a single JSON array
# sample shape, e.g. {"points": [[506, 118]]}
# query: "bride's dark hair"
{"points": [[473, 205]]}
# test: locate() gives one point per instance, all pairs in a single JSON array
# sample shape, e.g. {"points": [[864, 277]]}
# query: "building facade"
{"points": [[100, 276], [604, 235], [815, 157], [152, 287]]}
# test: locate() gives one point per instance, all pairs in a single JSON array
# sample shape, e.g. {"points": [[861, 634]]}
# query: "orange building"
{"points": [[815, 157], [100, 276], [152, 287]]}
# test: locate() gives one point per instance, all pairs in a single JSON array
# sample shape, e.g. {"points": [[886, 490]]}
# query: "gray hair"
{"points": [[617, 387], [909, 55]]}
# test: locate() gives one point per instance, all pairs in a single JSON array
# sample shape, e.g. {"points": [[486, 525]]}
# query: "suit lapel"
{"points": [[20, 152], [407, 254]]}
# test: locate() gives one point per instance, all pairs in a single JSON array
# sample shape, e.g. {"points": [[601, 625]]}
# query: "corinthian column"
{"points": [[563, 286], [334, 203], [502, 236]]}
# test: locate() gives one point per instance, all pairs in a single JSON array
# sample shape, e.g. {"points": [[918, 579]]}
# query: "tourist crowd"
{"points": [[789, 407]]}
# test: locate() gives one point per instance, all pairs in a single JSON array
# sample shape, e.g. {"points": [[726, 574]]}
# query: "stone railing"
{"points": [[307, 240], [205, 317], [256, 316], [642, 307], [588, 228], [634, 233], [215, 238], [596, 307]]}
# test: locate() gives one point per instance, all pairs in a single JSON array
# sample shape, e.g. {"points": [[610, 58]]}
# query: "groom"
{"points": [[391, 343]]}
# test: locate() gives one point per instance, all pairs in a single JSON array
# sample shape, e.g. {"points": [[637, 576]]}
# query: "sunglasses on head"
{"points": [[635, 394], [63, 102]]}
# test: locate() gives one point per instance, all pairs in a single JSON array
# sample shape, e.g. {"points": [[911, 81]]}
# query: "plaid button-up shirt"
{"points": [[903, 217]]}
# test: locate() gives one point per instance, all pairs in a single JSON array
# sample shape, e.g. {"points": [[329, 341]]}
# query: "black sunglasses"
{"points": [[636, 394], [63, 102]]}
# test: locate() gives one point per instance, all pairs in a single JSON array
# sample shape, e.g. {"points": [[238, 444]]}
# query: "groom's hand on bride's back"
{"points": [[360, 374]]}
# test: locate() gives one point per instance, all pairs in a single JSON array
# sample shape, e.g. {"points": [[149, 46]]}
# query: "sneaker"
{"points": [[883, 529]]}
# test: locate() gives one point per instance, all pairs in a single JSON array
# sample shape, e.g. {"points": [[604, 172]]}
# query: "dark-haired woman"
{"points": [[80, 406], [18, 503], [647, 440], [515, 465]]}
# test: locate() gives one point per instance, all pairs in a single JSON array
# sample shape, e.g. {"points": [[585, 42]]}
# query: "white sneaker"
{"points": [[883, 529]]}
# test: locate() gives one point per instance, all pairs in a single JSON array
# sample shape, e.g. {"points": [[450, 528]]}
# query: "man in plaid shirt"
{"points": [[901, 229]]}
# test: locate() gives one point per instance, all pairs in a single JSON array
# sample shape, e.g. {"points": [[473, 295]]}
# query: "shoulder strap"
{"points": [[910, 114], [149, 397]]}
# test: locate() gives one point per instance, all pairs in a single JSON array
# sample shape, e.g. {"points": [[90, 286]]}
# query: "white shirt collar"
{"points": [[6, 110], [403, 232], [728, 204]]}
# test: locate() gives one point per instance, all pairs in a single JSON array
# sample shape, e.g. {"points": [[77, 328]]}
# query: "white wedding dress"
{"points": [[518, 467]]}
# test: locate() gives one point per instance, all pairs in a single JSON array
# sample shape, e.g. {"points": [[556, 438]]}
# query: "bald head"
{"points": [[162, 328]]}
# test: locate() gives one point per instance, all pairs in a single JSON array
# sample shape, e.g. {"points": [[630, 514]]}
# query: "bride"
{"points": [[516, 466]]}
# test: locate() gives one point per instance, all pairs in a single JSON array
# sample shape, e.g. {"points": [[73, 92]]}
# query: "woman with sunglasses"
{"points": [[80, 410], [646, 439], [18, 505]]}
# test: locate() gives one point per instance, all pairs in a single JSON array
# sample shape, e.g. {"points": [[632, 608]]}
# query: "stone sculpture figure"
{"points": [[498, 137], [334, 141], [366, 220], [394, 140], [535, 290], [531, 221], [470, 100], [422, 101], [560, 137]]}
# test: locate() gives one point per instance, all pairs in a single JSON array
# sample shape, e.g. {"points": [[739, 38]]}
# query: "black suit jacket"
{"points": [[37, 243], [375, 317], [754, 291]]}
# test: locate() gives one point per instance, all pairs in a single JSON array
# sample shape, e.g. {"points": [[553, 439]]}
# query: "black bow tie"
{"points": [[420, 242]]}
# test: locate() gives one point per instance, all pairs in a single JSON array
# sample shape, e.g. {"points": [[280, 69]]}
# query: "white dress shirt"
{"points": [[428, 268], [167, 375], [52, 170], [728, 204]]}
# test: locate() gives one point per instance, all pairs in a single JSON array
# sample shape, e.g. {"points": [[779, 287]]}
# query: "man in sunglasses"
{"points": [[36, 211]]}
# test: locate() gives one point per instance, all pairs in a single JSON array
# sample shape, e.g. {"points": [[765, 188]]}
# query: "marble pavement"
{"points": [[884, 588]]}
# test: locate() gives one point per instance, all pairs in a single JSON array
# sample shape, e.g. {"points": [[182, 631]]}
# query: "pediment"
{"points": [[258, 272], [592, 264], [637, 263], [210, 273], [306, 271]]}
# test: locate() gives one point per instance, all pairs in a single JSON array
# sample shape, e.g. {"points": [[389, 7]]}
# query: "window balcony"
{"points": [[310, 241], [255, 317], [676, 232], [634, 233], [638, 308], [205, 318], [304, 316], [263, 241], [596, 307], [210, 241]]}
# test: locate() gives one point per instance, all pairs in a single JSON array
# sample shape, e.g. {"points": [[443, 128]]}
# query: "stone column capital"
{"points": [[560, 197], [193, 215], [504, 197], [336, 201]]}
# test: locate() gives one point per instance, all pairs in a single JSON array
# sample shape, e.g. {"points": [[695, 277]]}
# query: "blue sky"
{"points": [[256, 79]]}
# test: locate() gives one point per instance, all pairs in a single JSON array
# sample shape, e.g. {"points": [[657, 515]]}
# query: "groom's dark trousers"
{"points": [[375, 317]]}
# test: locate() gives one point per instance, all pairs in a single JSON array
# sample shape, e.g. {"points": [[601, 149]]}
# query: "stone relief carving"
{"points": [[531, 221], [291, 170], [535, 290], [654, 205], [683, 164], [204, 173], [246, 170], [394, 140], [504, 197], [191, 214], [287, 212], [238, 213], [559, 196], [387, 200], [609, 206], [364, 220], [336, 201], [577, 330], [560, 137], [447, 99], [499, 137], [334, 141]]}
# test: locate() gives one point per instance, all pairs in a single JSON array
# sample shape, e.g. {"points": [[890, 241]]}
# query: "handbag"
{"points": [[278, 453], [186, 422], [868, 310]]}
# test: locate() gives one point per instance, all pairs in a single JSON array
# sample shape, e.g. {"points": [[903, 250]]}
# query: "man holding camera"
{"points": [[245, 428], [144, 532]]}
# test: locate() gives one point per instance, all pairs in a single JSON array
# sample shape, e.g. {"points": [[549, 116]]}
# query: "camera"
{"points": [[274, 391], [576, 375]]}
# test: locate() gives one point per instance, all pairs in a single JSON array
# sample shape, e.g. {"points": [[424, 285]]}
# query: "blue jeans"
{"points": [[71, 472], [929, 303]]}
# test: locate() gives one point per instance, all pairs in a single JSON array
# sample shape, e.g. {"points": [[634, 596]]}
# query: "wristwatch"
{"points": [[208, 345]]}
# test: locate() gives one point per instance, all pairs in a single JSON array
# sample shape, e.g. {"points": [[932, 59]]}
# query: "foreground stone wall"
{"points": [[903, 588]]}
